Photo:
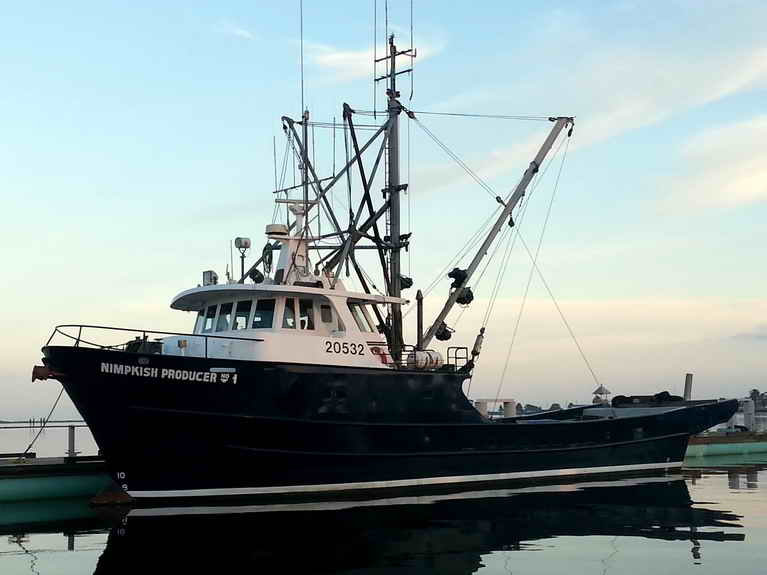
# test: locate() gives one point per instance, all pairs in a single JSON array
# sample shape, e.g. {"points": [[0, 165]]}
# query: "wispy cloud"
{"points": [[345, 65], [724, 166], [231, 28], [759, 333], [619, 83]]}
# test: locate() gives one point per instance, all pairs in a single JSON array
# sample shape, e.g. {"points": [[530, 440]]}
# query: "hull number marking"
{"points": [[344, 348]]}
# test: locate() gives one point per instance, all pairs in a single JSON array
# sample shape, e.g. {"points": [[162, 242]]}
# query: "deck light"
{"points": [[242, 244]]}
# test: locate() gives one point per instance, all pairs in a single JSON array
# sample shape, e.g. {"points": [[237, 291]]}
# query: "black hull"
{"points": [[290, 428]]}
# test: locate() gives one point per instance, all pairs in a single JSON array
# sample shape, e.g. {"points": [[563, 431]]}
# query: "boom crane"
{"points": [[560, 123]]}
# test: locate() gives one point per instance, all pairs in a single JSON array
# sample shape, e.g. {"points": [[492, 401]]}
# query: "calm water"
{"points": [[631, 526]]}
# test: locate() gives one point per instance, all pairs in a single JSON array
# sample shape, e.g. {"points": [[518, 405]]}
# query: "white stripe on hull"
{"points": [[389, 502], [284, 489]]}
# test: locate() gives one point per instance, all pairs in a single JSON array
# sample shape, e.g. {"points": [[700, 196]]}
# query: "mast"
{"points": [[559, 124], [305, 168], [394, 109]]}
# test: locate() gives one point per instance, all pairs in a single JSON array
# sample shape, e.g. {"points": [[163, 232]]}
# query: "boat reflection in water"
{"points": [[446, 533]]}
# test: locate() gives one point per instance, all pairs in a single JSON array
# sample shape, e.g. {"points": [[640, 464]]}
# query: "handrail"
{"points": [[59, 329], [36, 421], [2, 426], [151, 331], [405, 357]]}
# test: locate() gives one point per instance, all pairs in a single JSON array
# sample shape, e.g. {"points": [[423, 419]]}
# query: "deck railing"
{"points": [[79, 336], [140, 344], [455, 359]]}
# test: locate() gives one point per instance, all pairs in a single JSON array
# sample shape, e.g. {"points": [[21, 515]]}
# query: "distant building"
{"points": [[601, 395]]}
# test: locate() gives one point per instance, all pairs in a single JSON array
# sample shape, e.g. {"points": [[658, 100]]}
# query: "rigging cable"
{"points": [[534, 266], [283, 174], [471, 242], [348, 177], [456, 159], [45, 421], [511, 241], [275, 212], [409, 195], [502, 270], [505, 235], [274, 157], [561, 314], [488, 116], [332, 195], [473, 239], [522, 210], [316, 191]]}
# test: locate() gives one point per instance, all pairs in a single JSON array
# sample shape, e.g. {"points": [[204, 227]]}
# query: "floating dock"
{"points": [[26, 478], [731, 443]]}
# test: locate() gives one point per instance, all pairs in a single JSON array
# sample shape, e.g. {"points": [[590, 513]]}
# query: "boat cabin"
{"points": [[296, 316]]}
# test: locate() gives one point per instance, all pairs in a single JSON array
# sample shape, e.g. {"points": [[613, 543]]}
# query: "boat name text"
{"points": [[168, 374]]}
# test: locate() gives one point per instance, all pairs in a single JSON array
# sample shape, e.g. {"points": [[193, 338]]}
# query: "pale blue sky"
{"points": [[136, 140]]}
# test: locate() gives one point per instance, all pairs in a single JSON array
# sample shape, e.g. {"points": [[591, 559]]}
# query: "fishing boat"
{"points": [[290, 382]]}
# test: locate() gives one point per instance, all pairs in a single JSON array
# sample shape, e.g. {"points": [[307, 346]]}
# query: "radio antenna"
{"points": [[301, 28], [412, 65], [375, 53]]}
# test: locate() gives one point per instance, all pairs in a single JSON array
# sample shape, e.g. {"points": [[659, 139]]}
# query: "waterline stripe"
{"points": [[398, 482], [389, 502]]}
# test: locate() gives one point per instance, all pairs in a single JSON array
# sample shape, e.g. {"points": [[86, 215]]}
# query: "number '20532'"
{"points": [[345, 348]]}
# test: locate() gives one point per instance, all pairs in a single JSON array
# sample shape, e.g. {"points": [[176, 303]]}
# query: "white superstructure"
{"points": [[296, 316]]}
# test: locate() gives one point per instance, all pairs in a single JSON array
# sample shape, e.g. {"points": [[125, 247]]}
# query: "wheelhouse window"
{"points": [[306, 313], [210, 315], [360, 318], [326, 317], [289, 315], [241, 315], [224, 317], [200, 321], [263, 317]]}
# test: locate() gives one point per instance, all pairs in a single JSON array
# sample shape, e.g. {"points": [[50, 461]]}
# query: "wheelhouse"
{"points": [[273, 322], [257, 308]]}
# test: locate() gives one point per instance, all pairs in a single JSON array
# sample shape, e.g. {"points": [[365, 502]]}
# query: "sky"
{"points": [[136, 140]]}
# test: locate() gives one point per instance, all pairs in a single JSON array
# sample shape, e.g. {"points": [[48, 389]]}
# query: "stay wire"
{"points": [[45, 421], [471, 242], [452, 155], [534, 259], [474, 238], [409, 184], [561, 314], [518, 228], [487, 116], [501, 272], [511, 241], [460, 254], [505, 236], [280, 183], [348, 176]]}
